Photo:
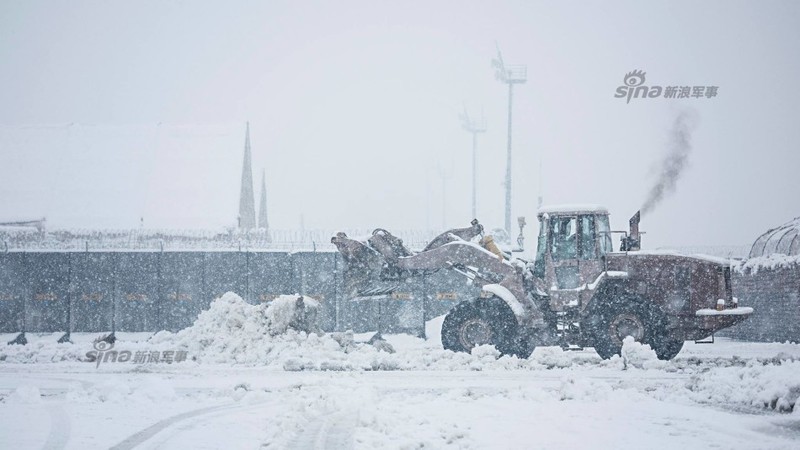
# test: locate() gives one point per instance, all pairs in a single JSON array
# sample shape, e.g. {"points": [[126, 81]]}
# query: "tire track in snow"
{"points": [[145, 434], [335, 431], [60, 429], [60, 423]]}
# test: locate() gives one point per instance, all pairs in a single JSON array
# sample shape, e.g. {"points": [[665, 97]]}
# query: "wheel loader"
{"points": [[578, 292]]}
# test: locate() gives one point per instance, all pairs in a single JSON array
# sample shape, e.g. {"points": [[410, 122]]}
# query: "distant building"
{"points": [[263, 222], [247, 205]]}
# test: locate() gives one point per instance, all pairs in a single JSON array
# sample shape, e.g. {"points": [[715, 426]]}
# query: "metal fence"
{"points": [[57, 291], [166, 290], [774, 294]]}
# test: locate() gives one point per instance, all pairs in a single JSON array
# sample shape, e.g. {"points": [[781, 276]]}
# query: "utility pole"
{"points": [[474, 127], [509, 75]]}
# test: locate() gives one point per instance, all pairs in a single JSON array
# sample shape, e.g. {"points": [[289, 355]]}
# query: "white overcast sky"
{"points": [[111, 111]]}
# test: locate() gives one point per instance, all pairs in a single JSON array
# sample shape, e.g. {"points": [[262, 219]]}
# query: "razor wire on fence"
{"points": [[19, 238], [156, 239]]}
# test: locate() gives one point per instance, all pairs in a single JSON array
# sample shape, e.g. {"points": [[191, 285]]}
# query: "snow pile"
{"points": [[486, 353], [112, 391], [760, 385], [638, 355], [234, 331], [584, 389], [552, 357], [41, 352], [769, 262], [281, 312], [25, 394]]}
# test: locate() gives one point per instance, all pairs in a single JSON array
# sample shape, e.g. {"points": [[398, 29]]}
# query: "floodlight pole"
{"points": [[508, 161], [474, 174], [510, 75], [474, 127]]}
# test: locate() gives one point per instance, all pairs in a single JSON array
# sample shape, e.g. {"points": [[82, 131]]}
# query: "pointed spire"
{"points": [[263, 222], [247, 206]]}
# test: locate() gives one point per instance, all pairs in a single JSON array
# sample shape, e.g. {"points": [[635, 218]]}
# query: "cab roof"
{"points": [[572, 209]]}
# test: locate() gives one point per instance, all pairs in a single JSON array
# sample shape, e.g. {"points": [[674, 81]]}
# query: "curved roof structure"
{"points": [[785, 239]]}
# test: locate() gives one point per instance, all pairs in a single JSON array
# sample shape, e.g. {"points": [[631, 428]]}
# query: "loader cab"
{"points": [[571, 244]]}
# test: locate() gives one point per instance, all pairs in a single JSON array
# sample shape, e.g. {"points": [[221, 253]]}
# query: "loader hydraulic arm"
{"points": [[450, 250]]}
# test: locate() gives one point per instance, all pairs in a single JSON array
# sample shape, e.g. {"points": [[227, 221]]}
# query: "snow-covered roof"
{"points": [[784, 239], [568, 208], [668, 252]]}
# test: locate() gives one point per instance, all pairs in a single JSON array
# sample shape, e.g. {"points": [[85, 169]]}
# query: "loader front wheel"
{"points": [[480, 322]]}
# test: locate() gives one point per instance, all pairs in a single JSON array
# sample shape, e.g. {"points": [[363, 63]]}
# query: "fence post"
{"points": [[424, 306], [66, 338], [336, 293], [111, 338], [21, 339]]}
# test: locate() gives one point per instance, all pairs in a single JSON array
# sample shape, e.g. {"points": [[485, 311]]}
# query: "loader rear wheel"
{"points": [[667, 348], [480, 322], [646, 324]]}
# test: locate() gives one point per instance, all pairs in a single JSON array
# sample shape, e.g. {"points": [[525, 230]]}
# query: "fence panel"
{"points": [[182, 295], [137, 291], [445, 289], [92, 289], [13, 291], [224, 272], [48, 300], [316, 275], [269, 274]]}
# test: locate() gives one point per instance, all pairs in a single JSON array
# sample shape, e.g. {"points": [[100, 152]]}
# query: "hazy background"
{"points": [[112, 111]]}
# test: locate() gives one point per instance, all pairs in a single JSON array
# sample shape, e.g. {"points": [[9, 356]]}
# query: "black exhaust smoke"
{"points": [[675, 160]]}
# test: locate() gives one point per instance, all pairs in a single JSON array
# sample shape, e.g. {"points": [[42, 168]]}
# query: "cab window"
{"points": [[564, 238], [587, 240], [604, 234], [541, 246]]}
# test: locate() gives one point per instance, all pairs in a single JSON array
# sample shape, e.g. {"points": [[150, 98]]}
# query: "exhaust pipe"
{"points": [[633, 242]]}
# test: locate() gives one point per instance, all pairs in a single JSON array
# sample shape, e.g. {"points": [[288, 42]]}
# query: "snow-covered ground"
{"points": [[245, 383]]}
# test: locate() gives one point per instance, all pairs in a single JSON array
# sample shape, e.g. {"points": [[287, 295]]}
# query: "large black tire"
{"points": [[483, 321], [522, 346], [667, 348], [632, 317]]}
